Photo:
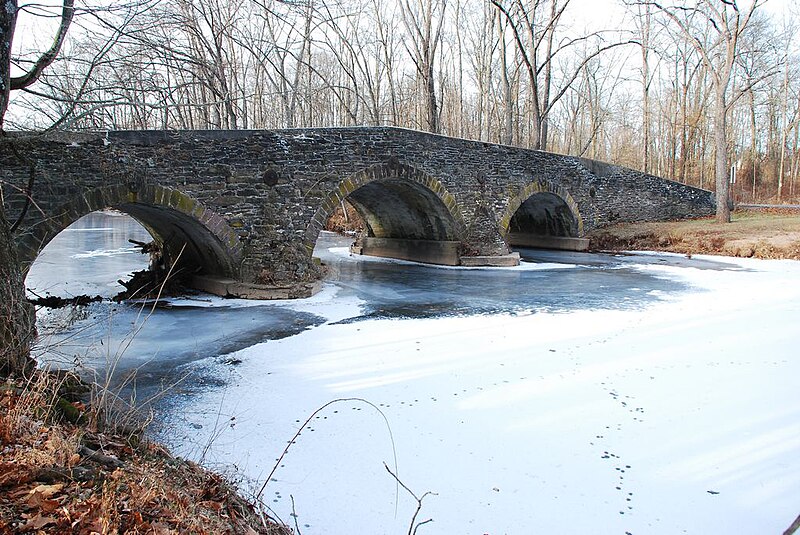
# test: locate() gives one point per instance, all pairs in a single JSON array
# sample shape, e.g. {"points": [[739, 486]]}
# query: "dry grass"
{"points": [[345, 219], [58, 477], [757, 234]]}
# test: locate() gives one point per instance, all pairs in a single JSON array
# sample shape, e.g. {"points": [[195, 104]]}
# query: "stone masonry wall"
{"points": [[254, 195]]}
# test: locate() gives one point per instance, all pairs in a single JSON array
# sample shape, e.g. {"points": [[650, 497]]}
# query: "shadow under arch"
{"points": [[395, 201], [541, 209], [188, 232]]}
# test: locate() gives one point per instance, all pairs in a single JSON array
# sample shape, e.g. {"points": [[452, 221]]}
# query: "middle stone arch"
{"points": [[543, 215], [407, 213]]}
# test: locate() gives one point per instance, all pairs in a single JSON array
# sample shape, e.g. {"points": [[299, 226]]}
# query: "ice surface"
{"points": [[89, 256], [679, 416], [642, 394]]}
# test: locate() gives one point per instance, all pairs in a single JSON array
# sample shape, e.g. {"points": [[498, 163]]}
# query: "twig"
{"points": [[421, 524], [412, 528], [294, 515], [108, 399], [308, 420], [216, 431], [794, 527], [106, 460]]}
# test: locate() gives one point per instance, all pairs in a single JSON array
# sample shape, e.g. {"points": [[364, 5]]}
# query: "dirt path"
{"points": [[752, 233]]}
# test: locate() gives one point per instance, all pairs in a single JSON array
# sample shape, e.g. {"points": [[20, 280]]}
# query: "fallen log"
{"points": [[53, 301]]}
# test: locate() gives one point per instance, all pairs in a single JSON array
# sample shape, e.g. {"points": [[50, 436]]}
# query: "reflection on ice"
{"points": [[359, 289], [106, 252]]}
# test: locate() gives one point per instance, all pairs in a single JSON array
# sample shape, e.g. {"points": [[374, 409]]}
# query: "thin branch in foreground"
{"points": [[412, 528], [294, 515], [308, 420], [794, 527]]}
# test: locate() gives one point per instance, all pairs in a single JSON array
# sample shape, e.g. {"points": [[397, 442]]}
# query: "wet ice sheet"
{"points": [[156, 344], [94, 253], [546, 282], [681, 416], [89, 257]]}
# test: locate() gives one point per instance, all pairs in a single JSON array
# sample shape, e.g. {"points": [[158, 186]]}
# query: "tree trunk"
{"points": [[796, 159], [17, 320], [507, 137], [645, 46], [460, 71], [754, 141], [544, 127], [784, 129], [432, 107], [721, 154], [8, 19]]}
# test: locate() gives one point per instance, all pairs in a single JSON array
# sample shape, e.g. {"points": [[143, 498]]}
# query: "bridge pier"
{"points": [[226, 287], [443, 253], [506, 260], [561, 243]]}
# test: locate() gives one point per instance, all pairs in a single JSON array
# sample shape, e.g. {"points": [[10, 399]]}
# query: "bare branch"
{"points": [[46, 59], [412, 528]]}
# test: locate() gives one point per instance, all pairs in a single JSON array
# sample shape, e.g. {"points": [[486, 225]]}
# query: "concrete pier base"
{"points": [[506, 260], [548, 242], [443, 253], [245, 290]]}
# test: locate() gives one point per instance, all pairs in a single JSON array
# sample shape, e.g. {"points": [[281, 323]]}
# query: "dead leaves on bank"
{"points": [[63, 478]]}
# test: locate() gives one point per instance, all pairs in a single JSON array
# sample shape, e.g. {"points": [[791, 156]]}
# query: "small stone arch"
{"points": [[534, 188], [395, 171], [168, 214]]}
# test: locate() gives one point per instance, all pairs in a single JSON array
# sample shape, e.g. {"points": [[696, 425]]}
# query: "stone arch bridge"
{"points": [[243, 209]]}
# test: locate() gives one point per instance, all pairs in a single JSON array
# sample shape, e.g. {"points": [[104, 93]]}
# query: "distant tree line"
{"points": [[686, 91]]}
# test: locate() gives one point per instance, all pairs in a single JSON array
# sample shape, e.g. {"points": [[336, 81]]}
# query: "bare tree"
{"points": [[17, 322], [534, 26], [16, 314], [423, 20], [714, 28], [511, 71]]}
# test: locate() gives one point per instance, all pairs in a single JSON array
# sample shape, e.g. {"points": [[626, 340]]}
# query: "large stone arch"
{"points": [[540, 187], [183, 226], [399, 181]]}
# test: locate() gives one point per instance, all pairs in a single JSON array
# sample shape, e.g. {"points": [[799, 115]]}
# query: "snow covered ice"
{"points": [[641, 394], [682, 416]]}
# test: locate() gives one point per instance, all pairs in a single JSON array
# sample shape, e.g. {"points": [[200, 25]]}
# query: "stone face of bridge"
{"points": [[245, 208]]}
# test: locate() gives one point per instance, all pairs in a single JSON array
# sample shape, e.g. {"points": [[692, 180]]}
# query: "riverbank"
{"points": [[766, 234], [62, 477]]}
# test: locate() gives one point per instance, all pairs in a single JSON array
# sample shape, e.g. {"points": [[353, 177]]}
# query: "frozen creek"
{"points": [[644, 394]]}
